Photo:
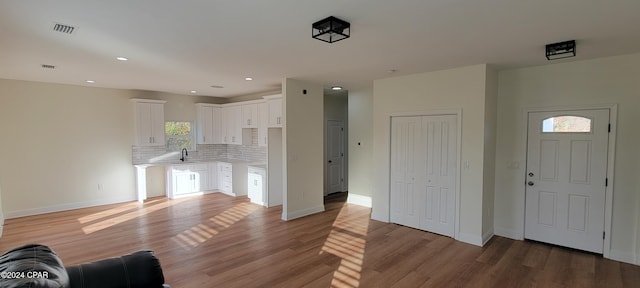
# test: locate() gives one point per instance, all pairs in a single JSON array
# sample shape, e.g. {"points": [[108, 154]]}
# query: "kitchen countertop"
{"points": [[261, 164]]}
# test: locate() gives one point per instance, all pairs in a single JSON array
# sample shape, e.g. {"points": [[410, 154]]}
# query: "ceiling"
{"points": [[180, 46]]}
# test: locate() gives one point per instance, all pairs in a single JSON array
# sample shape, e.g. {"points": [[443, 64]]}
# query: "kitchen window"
{"points": [[178, 135]]}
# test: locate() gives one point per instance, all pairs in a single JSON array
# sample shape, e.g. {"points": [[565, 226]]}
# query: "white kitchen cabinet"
{"points": [[257, 185], [225, 178], [250, 115], [187, 179], [275, 111], [206, 123], [233, 123], [220, 126], [149, 122], [263, 119]]}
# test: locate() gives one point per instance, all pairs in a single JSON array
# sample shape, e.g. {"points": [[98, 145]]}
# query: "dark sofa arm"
{"points": [[139, 269]]}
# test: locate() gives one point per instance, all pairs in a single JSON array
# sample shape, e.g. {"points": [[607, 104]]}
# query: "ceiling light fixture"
{"points": [[248, 78], [331, 29], [561, 50], [90, 81], [122, 58], [194, 91], [336, 88]]}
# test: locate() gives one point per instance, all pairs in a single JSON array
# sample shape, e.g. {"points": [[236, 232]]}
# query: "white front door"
{"points": [[335, 157], [424, 172], [567, 177]]}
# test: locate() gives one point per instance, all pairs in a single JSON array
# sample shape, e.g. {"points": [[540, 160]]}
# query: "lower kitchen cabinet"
{"points": [[257, 185], [225, 178], [186, 179]]}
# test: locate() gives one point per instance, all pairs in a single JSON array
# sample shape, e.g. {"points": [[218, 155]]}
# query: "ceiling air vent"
{"points": [[63, 28], [47, 66]]}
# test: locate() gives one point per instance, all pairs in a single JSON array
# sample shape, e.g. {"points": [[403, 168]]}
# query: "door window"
{"points": [[566, 124]]}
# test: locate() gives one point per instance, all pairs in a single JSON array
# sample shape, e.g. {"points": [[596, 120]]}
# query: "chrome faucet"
{"points": [[183, 154]]}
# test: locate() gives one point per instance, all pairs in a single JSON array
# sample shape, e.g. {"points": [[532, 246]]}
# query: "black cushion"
{"points": [[32, 265], [139, 269]]}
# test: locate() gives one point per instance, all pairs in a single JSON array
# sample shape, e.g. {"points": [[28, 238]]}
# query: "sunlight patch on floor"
{"points": [[109, 222], [202, 232], [347, 241], [113, 211]]}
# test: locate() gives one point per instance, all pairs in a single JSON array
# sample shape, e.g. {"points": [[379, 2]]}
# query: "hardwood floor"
{"points": [[219, 241]]}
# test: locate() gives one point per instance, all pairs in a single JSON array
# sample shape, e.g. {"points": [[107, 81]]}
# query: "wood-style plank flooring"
{"points": [[219, 241]]}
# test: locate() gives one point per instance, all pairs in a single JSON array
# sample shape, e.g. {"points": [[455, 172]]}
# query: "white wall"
{"points": [[600, 81], [461, 88], [1, 211], [59, 142], [490, 130], [360, 106], [303, 153]]}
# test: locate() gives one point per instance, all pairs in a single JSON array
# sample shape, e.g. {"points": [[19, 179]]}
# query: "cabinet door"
{"points": [[254, 188], [149, 124], [250, 116], [143, 124], [205, 125], [183, 183], [263, 119], [275, 113], [157, 124], [234, 125], [220, 126]]}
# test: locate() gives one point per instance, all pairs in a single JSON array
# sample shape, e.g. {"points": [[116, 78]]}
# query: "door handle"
{"points": [[330, 161], [530, 183]]}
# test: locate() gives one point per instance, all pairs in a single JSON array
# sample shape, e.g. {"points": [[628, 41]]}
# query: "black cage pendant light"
{"points": [[561, 50], [331, 29]]}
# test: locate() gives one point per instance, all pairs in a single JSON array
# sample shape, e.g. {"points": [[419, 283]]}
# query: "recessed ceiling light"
{"points": [[122, 58], [336, 88], [194, 91], [91, 81], [248, 78]]}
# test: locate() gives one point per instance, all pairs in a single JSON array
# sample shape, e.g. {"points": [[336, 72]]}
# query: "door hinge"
{"points": [[606, 182], [609, 127], [603, 234]]}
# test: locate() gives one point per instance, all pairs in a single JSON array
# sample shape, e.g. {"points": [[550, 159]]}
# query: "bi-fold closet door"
{"points": [[424, 172]]}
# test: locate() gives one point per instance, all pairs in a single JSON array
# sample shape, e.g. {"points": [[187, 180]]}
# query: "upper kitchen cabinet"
{"points": [[149, 122], [263, 120], [275, 110], [233, 117], [206, 123], [250, 115]]}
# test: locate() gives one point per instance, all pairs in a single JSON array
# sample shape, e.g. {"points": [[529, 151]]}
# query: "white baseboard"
{"points": [[301, 213], [626, 257], [508, 233], [471, 239], [487, 236], [1, 229], [359, 200], [66, 206]]}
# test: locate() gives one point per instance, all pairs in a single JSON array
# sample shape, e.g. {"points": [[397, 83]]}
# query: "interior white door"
{"points": [[567, 177], [424, 172], [405, 170], [335, 156], [439, 146]]}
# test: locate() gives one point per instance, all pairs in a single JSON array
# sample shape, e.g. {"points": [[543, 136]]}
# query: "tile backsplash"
{"points": [[203, 153]]}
